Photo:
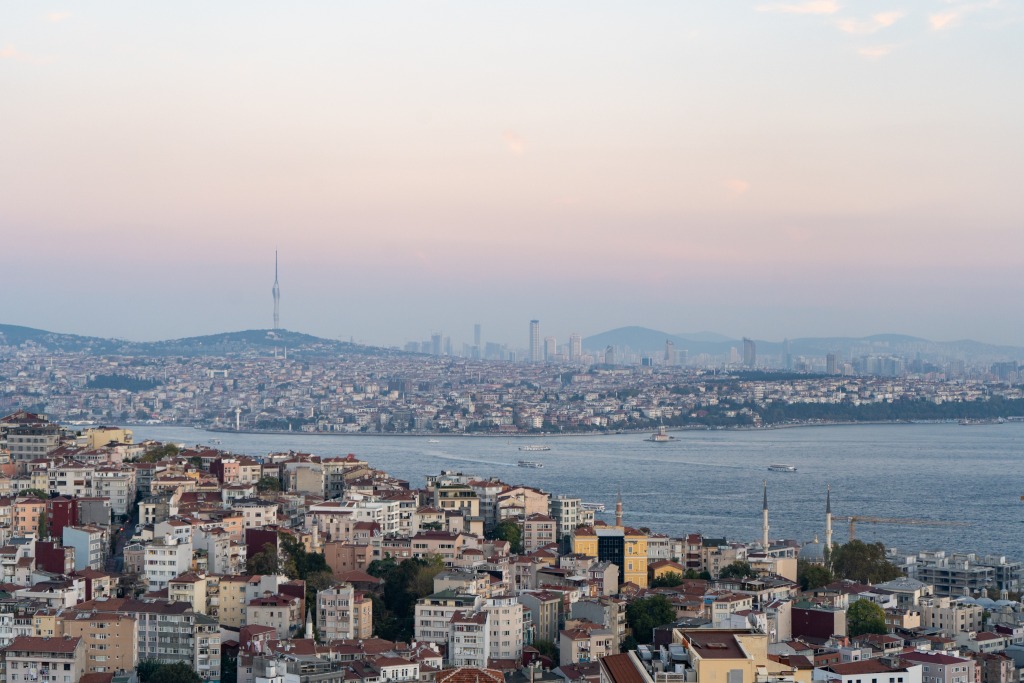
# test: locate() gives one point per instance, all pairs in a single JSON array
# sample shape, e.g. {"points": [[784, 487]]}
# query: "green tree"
{"points": [[862, 562], [646, 614], [393, 612], [423, 581], [547, 648], [157, 672], [736, 570], [264, 563], [508, 530], [268, 483], [44, 526], [157, 453], [667, 580], [38, 493], [864, 616], [811, 575]]}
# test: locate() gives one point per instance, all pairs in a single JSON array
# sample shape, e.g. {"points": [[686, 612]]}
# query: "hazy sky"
{"points": [[770, 169]]}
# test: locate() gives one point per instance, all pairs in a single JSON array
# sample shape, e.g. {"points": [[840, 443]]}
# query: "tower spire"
{"points": [[828, 516], [618, 509], [764, 518], [277, 296]]}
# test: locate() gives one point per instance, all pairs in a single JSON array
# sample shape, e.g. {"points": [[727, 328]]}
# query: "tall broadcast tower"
{"points": [[277, 296]]}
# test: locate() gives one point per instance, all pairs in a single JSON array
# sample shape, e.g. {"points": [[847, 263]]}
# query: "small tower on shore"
{"points": [[618, 510], [828, 517], [764, 518]]}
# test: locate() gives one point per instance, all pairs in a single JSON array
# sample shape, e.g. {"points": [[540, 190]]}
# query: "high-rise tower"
{"points": [[277, 296], [536, 351]]}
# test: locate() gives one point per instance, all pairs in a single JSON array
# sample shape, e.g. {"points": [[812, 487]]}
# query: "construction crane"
{"points": [[902, 521]]}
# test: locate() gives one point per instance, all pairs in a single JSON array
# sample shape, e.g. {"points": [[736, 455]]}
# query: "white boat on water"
{"points": [[433, 440], [531, 463], [782, 468], [535, 447], [593, 507]]}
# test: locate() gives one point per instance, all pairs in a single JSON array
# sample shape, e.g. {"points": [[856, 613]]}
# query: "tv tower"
{"points": [[277, 296]]}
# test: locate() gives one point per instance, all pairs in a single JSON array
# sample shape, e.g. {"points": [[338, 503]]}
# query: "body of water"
{"points": [[710, 481]]}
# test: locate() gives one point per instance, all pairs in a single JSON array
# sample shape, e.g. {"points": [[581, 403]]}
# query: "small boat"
{"points": [[535, 447], [531, 463], [593, 507], [433, 440], [661, 436], [782, 468]]}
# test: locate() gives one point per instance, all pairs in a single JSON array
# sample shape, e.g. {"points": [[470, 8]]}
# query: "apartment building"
{"points": [[29, 659], [344, 613]]}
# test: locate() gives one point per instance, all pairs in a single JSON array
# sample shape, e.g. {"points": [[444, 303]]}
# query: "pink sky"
{"points": [[767, 169]]}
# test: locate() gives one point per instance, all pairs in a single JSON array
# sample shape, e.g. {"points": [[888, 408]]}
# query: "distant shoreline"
{"points": [[556, 435]]}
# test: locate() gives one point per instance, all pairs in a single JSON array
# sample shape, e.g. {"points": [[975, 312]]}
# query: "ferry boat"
{"points": [[593, 507], [535, 448], [661, 436], [433, 440], [531, 463], [782, 468]]}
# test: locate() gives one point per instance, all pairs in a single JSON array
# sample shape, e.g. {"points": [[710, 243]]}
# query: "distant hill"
{"points": [[209, 345], [644, 340]]}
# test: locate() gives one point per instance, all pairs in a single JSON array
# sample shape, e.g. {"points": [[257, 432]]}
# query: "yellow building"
{"points": [[624, 547], [190, 588], [231, 600], [98, 437]]}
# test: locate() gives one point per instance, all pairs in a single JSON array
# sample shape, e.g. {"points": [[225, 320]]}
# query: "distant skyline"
{"points": [[760, 169]]}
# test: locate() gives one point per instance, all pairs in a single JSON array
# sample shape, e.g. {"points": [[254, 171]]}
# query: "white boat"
{"points": [[433, 440], [593, 507], [531, 463], [782, 468], [535, 447]]}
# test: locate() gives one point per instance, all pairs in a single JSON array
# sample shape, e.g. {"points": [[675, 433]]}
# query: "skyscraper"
{"points": [[670, 352], [550, 348], [476, 335], [277, 296], [536, 351], [749, 353], [575, 346]]}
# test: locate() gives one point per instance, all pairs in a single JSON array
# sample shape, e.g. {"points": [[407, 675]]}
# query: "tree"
{"points": [[864, 616], [268, 483], [423, 582], [811, 575], [151, 671], [736, 570], [157, 453], [508, 530], [44, 527], [263, 563], [862, 562], [38, 493], [667, 580], [547, 649], [646, 614]]}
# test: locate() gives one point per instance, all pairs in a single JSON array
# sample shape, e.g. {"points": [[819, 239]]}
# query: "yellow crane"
{"points": [[901, 521]]}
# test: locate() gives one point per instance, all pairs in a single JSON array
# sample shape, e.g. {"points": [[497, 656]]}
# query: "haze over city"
{"points": [[753, 168]]}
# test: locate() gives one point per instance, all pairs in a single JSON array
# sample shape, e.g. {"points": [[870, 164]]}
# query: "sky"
{"points": [[763, 169]]}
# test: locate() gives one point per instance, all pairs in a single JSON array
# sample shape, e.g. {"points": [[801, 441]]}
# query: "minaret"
{"points": [[277, 296], [618, 510], [764, 518], [309, 624], [828, 517]]}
